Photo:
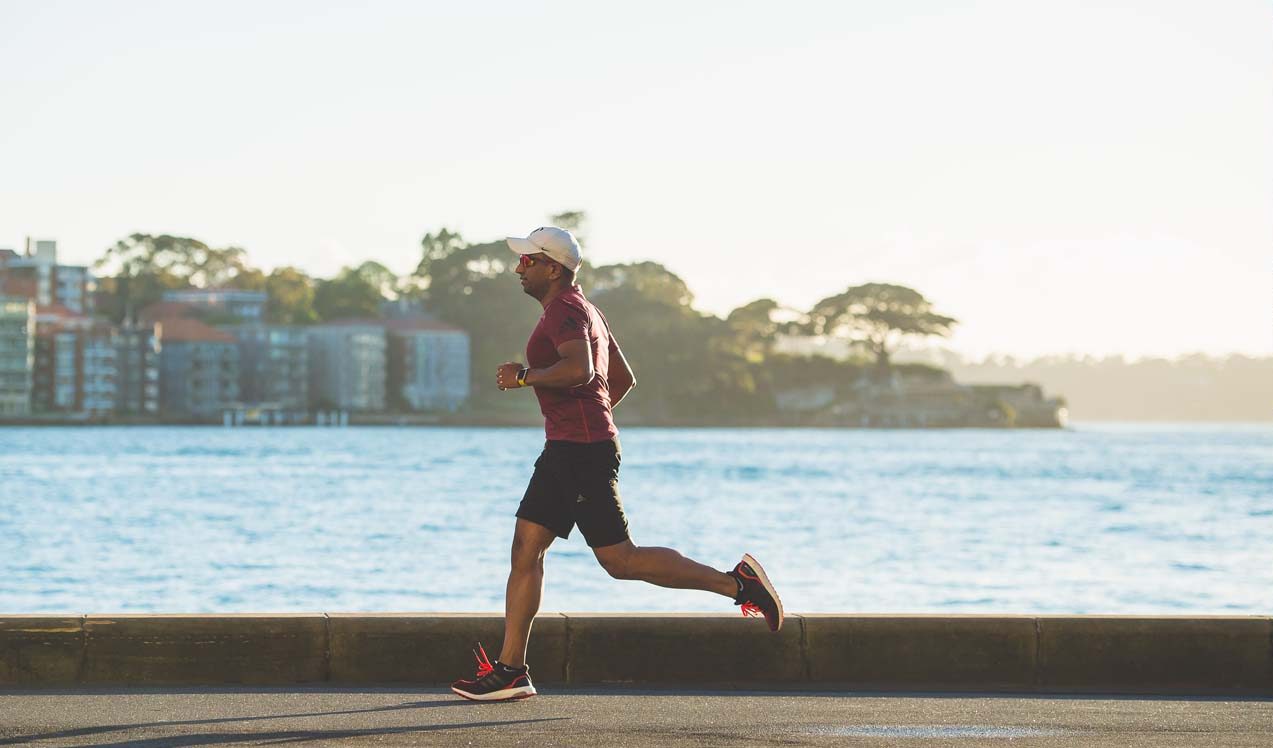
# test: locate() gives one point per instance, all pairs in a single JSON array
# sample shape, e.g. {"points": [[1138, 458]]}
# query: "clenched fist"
{"points": [[506, 375]]}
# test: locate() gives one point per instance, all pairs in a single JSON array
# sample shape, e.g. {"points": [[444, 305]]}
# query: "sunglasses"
{"points": [[530, 260]]}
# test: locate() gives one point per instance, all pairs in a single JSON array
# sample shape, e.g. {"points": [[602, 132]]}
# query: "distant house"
{"points": [[137, 349], [37, 275], [17, 354], [75, 363], [198, 369], [428, 364], [273, 365], [230, 303], [74, 287], [347, 361]]}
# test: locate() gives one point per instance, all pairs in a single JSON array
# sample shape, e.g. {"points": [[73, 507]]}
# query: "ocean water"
{"points": [[1134, 519]]}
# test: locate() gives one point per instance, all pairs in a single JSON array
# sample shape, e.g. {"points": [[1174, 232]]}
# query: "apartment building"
{"points": [[17, 354]]}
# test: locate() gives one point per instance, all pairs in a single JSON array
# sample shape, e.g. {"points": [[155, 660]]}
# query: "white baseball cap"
{"points": [[558, 244]]}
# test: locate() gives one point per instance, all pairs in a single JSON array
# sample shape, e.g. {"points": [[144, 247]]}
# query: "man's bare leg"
{"points": [[664, 567], [525, 589]]}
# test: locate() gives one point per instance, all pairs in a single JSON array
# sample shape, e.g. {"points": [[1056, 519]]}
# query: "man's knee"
{"points": [[620, 563], [526, 555]]}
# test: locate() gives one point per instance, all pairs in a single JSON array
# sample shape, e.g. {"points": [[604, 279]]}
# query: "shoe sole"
{"points": [[769, 587], [508, 694]]}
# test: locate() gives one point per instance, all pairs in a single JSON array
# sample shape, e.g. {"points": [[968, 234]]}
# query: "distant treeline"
{"points": [[1193, 388], [690, 366]]}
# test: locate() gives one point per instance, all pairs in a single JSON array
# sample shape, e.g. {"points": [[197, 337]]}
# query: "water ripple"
{"points": [[1161, 519]]}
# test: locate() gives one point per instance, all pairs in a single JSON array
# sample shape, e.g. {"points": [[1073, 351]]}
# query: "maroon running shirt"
{"points": [[577, 414]]}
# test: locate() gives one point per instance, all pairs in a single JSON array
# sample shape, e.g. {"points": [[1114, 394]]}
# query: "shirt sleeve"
{"points": [[566, 322]]}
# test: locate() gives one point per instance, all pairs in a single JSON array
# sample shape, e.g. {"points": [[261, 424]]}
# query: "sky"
{"points": [[1092, 178]]}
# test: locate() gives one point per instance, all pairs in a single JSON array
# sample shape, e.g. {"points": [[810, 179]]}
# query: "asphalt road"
{"points": [[614, 717]]}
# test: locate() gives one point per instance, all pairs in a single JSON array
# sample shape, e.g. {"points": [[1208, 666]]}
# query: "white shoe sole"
{"points": [[764, 581], [508, 694]]}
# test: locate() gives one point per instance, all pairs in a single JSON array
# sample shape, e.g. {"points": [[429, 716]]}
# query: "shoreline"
{"points": [[626, 424], [497, 423]]}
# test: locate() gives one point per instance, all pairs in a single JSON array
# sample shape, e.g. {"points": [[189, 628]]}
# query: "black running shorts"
{"points": [[577, 484]]}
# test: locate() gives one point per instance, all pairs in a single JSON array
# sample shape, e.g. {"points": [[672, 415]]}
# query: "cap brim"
{"points": [[523, 246]]}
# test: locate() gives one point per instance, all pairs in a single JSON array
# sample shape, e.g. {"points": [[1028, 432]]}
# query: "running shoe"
{"points": [[756, 593], [496, 682]]}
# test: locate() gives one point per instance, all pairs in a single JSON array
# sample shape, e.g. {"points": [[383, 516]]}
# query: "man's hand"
{"points": [[574, 369], [506, 375]]}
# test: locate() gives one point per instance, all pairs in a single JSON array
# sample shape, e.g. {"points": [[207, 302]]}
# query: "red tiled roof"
{"points": [[192, 331], [54, 310], [164, 310]]}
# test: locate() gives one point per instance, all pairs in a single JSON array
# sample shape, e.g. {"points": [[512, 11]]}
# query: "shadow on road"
{"points": [[279, 737], [289, 736]]}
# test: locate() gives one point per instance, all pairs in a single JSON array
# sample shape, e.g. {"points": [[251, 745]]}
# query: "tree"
{"points": [[474, 288], [877, 316], [248, 279], [138, 269], [290, 297], [122, 296], [684, 360], [188, 260], [756, 326], [139, 254], [347, 295], [649, 280], [219, 268], [435, 247], [380, 277], [135, 272], [460, 270], [572, 221]]}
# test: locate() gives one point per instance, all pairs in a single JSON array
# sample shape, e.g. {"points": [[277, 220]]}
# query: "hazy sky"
{"points": [[1061, 177]]}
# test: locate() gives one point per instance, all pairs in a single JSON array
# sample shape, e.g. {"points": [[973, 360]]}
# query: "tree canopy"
{"points": [[354, 292], [572, 221], [435, 247], [187, 261], [473, 287], [878, 316], [756, 326], [290, 299]]}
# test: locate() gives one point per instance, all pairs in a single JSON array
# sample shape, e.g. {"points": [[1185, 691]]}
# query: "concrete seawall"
{"points": [[1094, 654]]}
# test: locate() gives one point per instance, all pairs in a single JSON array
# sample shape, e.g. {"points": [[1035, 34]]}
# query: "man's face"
{"points": [[536, 272]]}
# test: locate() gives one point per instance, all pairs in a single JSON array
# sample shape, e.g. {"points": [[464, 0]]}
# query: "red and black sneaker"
{"points": [[497, 682], [756, 593]]}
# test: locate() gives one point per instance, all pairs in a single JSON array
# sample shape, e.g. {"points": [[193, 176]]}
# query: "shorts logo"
{"points": [[581, 499]]}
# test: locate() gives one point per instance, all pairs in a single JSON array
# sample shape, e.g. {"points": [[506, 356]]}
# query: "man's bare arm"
{"points": [[621, 379], [572, 370]]}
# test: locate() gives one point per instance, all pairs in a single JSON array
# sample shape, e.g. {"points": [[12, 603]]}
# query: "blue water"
{"points": [[1098, 519]]}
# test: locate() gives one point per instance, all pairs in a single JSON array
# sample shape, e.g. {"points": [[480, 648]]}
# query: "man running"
{"points": [[579, 374]]}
